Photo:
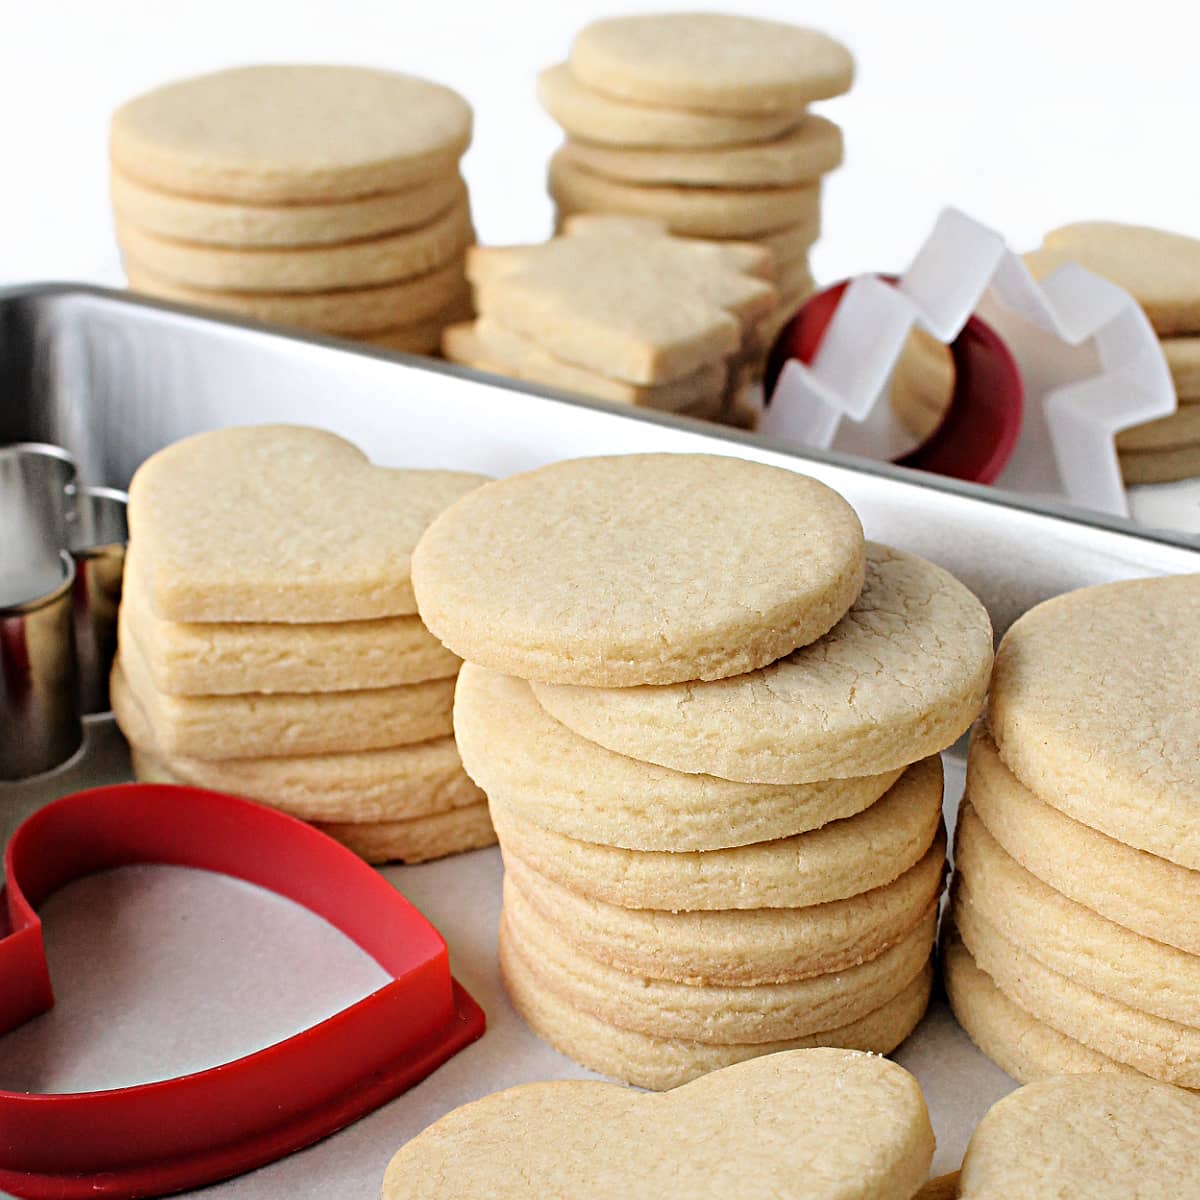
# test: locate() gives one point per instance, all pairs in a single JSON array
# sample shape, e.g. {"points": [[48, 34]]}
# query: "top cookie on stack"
{"points": [[321, 196], [1161, 271], [700, 120]]}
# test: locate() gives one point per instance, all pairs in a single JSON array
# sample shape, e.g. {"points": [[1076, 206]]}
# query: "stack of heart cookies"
{"points": [[619, 310], [269, 644], [1076, 901], [706, 716], [701, 120], [1161, 271], [316, 196]]}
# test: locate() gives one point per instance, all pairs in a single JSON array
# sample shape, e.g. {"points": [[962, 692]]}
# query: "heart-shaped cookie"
{"points": [[833, 1124], [1104, 1137], [280, 523]]}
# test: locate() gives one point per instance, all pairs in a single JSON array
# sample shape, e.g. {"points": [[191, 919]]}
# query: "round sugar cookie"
{"points": [[283, 133], [658, 1063], [228, 223], [283, 723], [440, 296], [1145, 893], [792, 242], [1178, 429], [1067, 937], [1093, 708], [741, 947], [843, 858], [1159, 269], [713, 1014], [1019, 1044], [552, 777], [711, 61], [416, 839], [374, 261], [366, 787], [703, 212], [1183, 358], [639, 569], [598, 118], [1166, 1050], [805, 153], [1101, 1136], [1160, 466], [900, 676]]}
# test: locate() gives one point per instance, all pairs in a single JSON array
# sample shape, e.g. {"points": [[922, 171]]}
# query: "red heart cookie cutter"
{"points": [[977, 436], [192, 1130]]}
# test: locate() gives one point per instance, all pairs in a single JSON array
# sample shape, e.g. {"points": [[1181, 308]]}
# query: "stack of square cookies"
{"points": [[1161, 271], [322, 197], [706, 716], [1076, 899], [619, 310], [269, 644], [701, 120]]}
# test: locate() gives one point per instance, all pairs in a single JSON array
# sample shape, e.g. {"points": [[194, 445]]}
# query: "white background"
{"points": [[1025, 114]]}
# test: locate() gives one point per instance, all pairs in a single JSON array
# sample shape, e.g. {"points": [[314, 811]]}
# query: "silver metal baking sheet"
{"points": [[160, 970]]}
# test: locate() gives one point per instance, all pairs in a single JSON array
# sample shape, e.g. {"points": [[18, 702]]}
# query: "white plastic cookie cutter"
{"points": [[1088, 358]]}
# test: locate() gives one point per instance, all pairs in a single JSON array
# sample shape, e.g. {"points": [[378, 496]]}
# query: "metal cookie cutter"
{"points": [[195, 1129], [62, 551]]}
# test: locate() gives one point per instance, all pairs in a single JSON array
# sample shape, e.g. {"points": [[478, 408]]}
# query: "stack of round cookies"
{"points": [[706, 716], [1076, 899], [701, 120], [317, 196], [272, 649], [1161, 271]]}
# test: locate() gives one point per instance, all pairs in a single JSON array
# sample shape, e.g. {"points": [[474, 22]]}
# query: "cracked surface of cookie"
{"points": [[640, 568], [1093, 708], [900, 676]]}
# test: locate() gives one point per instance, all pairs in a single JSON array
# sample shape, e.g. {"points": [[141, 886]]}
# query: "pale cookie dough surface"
{"points": [[612, 304], [730, 212], [1166, 1050], [1067, 937], [1093, 707], [552, 777], [416, 839], [899, 677], [318, 533], [1019, 1044], [280, 133], [595, 117], [1103, 1137], [657, 1063], [711, 61], [805, 153], [768, 1128], [350, 311], [368, 263], [640, 568], [228, 223], [1150, 895], [742, 947], [285, 723], [843, 858], [1183, 359], [1180, 428], [486, 344], [1160, 466], [1160, 270], [236, 657], [369, 786]]}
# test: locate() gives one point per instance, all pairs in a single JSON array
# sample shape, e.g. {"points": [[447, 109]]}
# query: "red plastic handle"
{"points": [[979, 432], [184, 1132]]}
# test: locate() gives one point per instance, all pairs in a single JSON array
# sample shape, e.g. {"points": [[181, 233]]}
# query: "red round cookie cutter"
{"points": [[979, 431], [192, 1130]]}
